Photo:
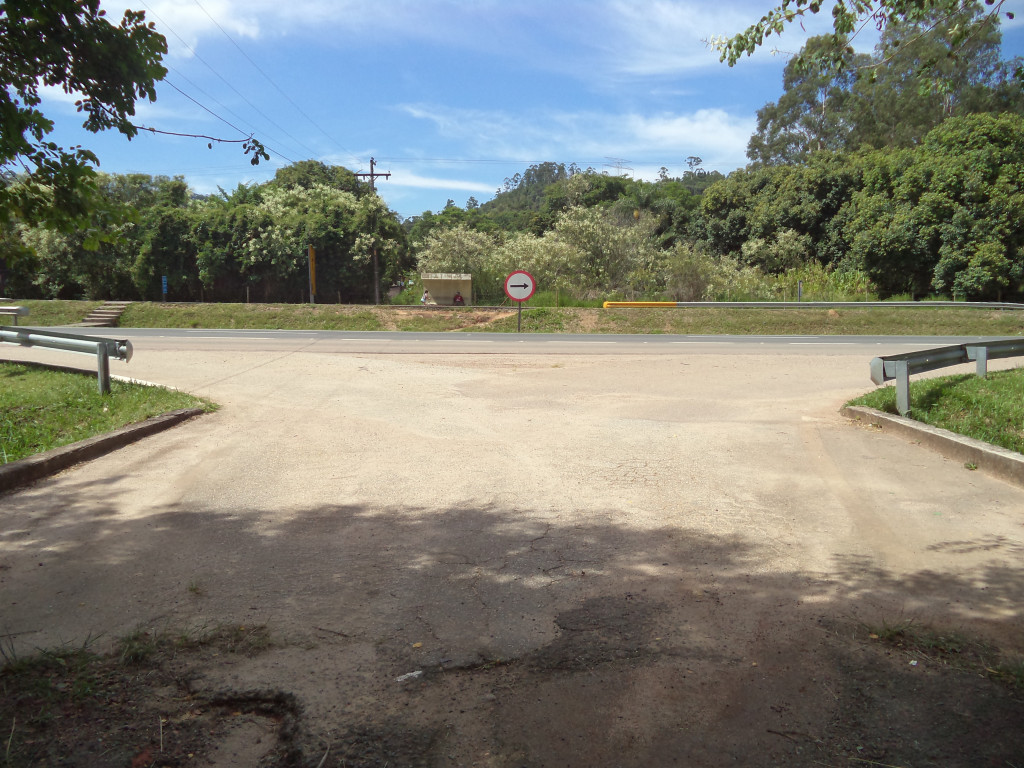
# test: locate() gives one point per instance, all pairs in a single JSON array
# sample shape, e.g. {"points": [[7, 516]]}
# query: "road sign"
{"points": [[520, 285]]}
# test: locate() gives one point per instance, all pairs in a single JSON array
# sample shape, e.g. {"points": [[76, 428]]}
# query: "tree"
{"points": [[946, 215], [309, 173], [68, 44], [860, 101], [615, 256], [923, 82], [127, 209], [848, 17], [459, 249], [813, 112], [788, 209]]}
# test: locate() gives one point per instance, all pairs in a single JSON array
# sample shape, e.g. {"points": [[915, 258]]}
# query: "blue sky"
{"points": [[450, 96]]}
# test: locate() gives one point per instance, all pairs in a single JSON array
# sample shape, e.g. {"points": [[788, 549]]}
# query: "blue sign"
{"points": [[164, 281]]}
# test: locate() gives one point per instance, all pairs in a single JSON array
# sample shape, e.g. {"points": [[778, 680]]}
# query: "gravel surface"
{"points": [[637, 560]]}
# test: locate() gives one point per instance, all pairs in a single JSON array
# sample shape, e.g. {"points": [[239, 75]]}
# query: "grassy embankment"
{"points": [[989, 409], [42, 409], [852, 321]]}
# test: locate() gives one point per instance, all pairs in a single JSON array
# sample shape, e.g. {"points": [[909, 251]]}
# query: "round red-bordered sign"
{"points": [[520, 285]]}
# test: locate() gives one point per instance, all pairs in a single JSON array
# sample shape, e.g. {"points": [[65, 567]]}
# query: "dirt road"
{"points": [[582, 560]]}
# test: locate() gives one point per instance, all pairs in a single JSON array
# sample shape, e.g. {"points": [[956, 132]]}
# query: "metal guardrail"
{"points": [[102, 348], [14, 312], [815, 304], [899, 368]]}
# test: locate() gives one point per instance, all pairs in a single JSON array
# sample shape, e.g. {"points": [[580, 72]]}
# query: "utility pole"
{"points": [[373, 189], [371, 175]]}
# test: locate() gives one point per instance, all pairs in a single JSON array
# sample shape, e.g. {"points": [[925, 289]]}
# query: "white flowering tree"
{"points": [[463, 250], [554, 263], [263, 242], [616, 257]]}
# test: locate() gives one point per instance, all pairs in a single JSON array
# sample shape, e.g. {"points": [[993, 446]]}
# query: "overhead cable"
{"points": [[228, 84], [270, 80]]}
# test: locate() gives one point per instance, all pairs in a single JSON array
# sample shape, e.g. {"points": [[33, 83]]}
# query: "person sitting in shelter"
{"points": [[458, 301], [425, 298]]}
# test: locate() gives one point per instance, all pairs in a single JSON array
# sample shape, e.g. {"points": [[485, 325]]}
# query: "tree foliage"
{"points": [[848, 18], [948, 215], [860, 102], [814, 112], [71, 45], [249, 243]]}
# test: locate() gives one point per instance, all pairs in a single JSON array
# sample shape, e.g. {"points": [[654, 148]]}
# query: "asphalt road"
{"points": [[553, 343]]}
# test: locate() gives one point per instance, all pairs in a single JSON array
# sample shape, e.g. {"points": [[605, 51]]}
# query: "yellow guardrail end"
{"points": [[615, 304]]}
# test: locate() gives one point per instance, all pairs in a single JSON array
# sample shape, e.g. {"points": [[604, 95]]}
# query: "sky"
{"points": [[450, 97]]}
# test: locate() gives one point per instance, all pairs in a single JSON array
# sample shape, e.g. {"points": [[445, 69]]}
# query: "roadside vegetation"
{"points": [[872, 176], [950, 648], [906, 321], [44, 313], [989, 409], [41, 409]]}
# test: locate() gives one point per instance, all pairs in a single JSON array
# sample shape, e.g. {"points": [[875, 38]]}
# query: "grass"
{"points": [[42, 409], [951, 648], [252, 316], [855, 321], [537, 318], [989, 409], [45, 313]]}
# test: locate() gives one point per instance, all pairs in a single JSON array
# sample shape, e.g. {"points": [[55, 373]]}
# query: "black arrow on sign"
{"points": [[524, 285]]}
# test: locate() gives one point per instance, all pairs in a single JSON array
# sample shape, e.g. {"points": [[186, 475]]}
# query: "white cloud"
{"points": [[55, 94], [185, 22], [588, 137], [663, 37], [719, 136], [626, 36], [668, 37], [408, 179]]}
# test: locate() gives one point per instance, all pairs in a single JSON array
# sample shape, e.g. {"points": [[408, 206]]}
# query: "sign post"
{"points": [[163, 286], [312, 275], [520, 286]]}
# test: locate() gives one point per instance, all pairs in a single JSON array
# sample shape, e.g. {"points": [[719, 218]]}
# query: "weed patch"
{"points": [[132, 706]]}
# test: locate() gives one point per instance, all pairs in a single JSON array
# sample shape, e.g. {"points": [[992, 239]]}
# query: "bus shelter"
{"points": [[442, 287]]}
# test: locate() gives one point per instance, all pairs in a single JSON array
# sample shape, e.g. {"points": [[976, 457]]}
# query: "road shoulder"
{"points": [[1000, 462]]}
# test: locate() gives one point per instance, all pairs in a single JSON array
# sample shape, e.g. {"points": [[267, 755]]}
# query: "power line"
{"points": [[223, 120], [271, 81], [212, 98], [227, 83]]}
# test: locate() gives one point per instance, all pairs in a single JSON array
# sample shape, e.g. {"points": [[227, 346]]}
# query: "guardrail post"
{"points": [[902, 386], [981, 359], [103, 368]]}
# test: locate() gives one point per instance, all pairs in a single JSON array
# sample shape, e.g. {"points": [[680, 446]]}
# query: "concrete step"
{"points": [[105, 315]]}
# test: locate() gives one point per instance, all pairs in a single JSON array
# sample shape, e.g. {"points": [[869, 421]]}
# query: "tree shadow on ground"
{"points": [[505, 636]]}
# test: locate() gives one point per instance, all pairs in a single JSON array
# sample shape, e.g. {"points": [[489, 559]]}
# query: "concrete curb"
{"points": [[28, 470], [1004, 464]]}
